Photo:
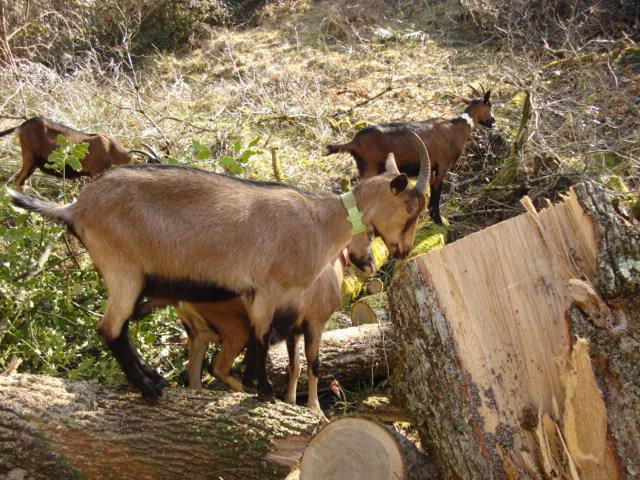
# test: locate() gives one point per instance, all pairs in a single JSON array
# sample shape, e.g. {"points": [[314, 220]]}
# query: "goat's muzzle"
{"points": [[488, 123]]}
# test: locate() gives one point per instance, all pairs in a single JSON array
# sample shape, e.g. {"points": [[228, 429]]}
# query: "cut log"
{"points": [[496, 384], [360, 449], [61, 429], [374, 286], [353, 356], [370, 309]]}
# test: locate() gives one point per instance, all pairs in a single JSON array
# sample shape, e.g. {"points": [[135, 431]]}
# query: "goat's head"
{"points": [[360, 252], [394, 214], [480, 107]]}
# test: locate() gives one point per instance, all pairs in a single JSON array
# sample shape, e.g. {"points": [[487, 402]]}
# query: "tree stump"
{"points": [[353, 448], [60, 429], [492, 374]]}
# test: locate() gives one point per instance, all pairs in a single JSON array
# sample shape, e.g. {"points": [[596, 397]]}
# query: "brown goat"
{"points": [[227, 323], [38, 139], [445, 141], [187, 234]]}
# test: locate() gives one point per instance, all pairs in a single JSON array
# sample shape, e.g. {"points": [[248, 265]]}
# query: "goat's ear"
{"points": [[399, 184], [486, 96], [466, 100], [390, 165]]}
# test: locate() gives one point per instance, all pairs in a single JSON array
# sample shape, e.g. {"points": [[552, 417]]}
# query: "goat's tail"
{"points": [[7, 132], [341, 147], [45, 208]]}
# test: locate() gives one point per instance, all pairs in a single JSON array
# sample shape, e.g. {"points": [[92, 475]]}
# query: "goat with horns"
{"points": [[186, 234]]}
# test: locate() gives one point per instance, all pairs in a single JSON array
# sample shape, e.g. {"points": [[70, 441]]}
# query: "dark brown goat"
{"points": [[445, 141], [38, 139]]}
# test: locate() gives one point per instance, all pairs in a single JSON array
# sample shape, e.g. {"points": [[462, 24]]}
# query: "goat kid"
{"points": [[187, 234], [38, 139], [227, 323], [445, 141]]}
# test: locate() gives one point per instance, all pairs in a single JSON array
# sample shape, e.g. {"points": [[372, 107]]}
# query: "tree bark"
{"points": [[355, 355], [491, 371], [59, 429], [358, 448]]}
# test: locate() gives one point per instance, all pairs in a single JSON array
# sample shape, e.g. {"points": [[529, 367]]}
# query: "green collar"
{"points": [[353, 214]]}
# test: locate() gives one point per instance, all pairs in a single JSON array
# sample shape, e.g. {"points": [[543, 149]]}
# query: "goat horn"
{"points": [[153, 153], [425, 163], [474, 91]]}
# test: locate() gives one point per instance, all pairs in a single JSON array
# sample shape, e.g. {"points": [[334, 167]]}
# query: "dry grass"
{"points": [[310, 73]]}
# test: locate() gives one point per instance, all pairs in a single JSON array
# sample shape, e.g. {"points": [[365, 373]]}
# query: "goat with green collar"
{"points": [[186, 234], [445, 140]]}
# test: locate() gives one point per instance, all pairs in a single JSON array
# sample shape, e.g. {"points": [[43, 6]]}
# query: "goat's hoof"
{"points": [[267, 397], [160, 383], [149, 389], [158, 380], [265, 394]]}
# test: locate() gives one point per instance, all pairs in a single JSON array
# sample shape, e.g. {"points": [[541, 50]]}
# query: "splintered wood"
{"points": [[483, 334]]}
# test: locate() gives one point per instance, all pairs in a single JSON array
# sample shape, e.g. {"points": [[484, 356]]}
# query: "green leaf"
{"points": [[202, 151]]}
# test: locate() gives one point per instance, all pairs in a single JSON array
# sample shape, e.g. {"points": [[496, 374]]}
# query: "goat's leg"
{"points": [[129, 361], [261, 311], [261, 340], [248, 378], [294, 368], [231, 348], [158, 380], [312, 336], [434, 203], [198, 345], [114, 327], [26, 170]]}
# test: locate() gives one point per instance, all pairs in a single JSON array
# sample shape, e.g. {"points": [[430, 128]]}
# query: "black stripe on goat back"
{"points": [[185, 289], [199, 171]]}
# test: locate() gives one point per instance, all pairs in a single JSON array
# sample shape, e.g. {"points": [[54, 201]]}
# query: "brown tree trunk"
{"points": [[492, 372], [354, 355], [60, 429]]}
